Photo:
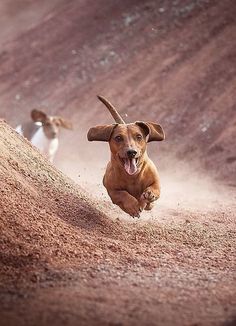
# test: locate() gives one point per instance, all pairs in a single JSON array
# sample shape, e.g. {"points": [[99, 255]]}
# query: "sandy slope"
{"points": [[66, 258]]}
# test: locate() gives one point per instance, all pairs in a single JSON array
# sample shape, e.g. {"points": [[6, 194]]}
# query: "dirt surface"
{"points": [[67, 255], [66, 258]]}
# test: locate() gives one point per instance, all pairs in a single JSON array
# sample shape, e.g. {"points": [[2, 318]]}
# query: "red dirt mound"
{"points": [[64, 260]]}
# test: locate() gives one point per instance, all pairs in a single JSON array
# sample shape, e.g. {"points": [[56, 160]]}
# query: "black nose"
{"points": [[131, 153]]}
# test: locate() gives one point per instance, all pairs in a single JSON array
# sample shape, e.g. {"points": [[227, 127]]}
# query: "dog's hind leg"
{"points": [[149, 206]]}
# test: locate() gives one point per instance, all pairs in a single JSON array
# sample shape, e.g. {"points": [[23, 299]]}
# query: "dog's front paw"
{"points": [[148, 196], [132, 208]]}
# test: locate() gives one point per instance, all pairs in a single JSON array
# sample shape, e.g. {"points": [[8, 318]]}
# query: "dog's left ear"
{"points": [[153, 131], [101, 133], [64, 123], [38, 116]]}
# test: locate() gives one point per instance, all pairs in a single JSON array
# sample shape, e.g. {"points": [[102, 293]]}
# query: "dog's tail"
{"points": [[112, 110]]}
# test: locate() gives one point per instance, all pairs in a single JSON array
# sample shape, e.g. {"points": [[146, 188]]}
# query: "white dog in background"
{"points": [[43, 132]]}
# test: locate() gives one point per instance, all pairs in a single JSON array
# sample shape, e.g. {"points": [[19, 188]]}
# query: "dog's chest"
{"points": [[134, 186], [45, 145]]}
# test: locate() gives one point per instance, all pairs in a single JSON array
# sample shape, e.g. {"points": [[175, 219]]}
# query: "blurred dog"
{"points": [[131, 178], [43, 132]]}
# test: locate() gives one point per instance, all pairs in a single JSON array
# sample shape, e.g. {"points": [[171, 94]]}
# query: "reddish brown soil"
{"points": [[64, 259], [67, 255]]}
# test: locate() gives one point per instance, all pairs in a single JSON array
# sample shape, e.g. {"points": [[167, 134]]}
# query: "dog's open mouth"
{"points": [[130, 165]]}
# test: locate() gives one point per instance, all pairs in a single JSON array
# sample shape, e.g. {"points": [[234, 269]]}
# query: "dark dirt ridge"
{"points": [[168, 61], [66, 259]]}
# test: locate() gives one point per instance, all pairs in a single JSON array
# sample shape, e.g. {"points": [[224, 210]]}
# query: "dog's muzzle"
{"points": [[130, 162]]}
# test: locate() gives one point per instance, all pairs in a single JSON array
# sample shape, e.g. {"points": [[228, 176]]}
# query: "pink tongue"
{"points": [[130, 166]]}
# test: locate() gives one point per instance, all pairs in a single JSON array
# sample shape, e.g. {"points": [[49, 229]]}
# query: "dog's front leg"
{"points": [[150, 194], [126, 202]]}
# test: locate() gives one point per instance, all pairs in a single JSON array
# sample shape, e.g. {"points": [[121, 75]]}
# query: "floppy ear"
{"points": [[153, 131], [38, 116], [64, 123], [101, 133]]}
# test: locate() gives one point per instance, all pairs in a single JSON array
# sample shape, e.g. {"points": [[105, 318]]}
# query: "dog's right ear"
{"points": [[100, 133], [64, 123], [153, 131], [38, 116]]}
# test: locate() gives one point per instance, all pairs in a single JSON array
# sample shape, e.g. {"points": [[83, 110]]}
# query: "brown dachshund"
{"points": [[131, 178]]}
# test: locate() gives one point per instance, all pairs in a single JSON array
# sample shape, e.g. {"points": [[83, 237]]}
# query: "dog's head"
{"points": [[127, 142], [50, 124]]}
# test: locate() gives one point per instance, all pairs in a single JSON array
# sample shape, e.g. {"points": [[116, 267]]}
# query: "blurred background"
{"points": [[168, 61]]}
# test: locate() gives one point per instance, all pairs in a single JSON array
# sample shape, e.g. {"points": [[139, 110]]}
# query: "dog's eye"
{"points": [[139, 137], [118, 139]]}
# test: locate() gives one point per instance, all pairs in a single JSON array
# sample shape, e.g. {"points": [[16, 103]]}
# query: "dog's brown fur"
{"points": [[132, 193]]}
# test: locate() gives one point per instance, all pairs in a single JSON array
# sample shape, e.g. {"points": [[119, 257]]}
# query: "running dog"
{"points": [[131, 178], [43, 132]]}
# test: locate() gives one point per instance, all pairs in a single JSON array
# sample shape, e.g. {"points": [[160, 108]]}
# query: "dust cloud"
{"points": [[184, 186]]}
